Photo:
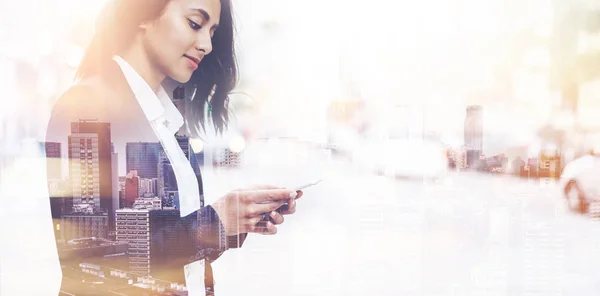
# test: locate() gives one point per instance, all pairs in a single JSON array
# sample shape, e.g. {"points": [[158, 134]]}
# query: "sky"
{"points": [[460, 53]]}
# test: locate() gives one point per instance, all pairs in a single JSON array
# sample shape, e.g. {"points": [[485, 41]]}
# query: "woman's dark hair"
{"points": [[212, 82]]}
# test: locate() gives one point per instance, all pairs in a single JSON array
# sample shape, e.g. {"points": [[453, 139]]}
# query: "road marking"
{"points": [[67, 293], [117, 293]]}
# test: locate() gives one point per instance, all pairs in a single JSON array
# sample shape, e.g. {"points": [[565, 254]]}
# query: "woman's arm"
{"points": [[212, 240]]}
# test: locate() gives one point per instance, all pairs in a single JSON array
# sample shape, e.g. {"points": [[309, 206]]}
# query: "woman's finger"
{"points": [[265, 228], [271, 229], [258, 209], [265, 187], [270, 195], [276, 217], [289, 209]]}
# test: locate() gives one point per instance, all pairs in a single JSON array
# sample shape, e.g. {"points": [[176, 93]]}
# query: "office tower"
{"points": [[115, 180], [53, 154], [148, 187], [143, 158], [133, 227], [166, 176], [132, 188], [473, 134], [90, 156], [155, 186]]}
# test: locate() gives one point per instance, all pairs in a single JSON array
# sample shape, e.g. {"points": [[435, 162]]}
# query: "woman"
{"points": [[118, 99]]}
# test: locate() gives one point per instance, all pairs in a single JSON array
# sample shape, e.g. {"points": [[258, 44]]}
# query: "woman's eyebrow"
{"points": [[202, 12], [205, 15]]}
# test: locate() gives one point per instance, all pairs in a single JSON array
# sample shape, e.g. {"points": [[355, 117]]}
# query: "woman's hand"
{"points": [[242, 210]]}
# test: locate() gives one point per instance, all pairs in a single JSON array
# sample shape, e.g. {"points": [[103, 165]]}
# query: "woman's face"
{"points": [[179, 39]]}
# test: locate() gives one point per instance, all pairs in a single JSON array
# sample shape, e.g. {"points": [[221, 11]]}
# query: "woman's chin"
{"points": [[182, 77]]}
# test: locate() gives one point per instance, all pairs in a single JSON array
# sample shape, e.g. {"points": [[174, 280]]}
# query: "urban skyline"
{"points": [[98, 203]]}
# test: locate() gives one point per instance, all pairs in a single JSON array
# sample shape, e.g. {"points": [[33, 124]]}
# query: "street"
{"points": [[357, 233]]}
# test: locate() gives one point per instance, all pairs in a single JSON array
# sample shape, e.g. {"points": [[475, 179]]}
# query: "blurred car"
{"points": [[425, 157], [580, 181]]}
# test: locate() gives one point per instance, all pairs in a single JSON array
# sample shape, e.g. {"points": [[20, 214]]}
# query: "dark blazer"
{"points": [[106, 98]]}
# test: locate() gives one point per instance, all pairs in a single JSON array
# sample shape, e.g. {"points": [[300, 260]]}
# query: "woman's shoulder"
{"points": [[97, 99], [82, 97], [89, 98]]}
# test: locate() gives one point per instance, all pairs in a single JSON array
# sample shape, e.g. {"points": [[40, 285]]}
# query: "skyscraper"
{"points": [[133, 227], [132, 188], [148, 187], [473, 134], [115, 179], [143, 158], [90, 157], [166, 176]]}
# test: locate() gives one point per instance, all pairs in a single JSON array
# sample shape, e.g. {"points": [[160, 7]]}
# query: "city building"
{"points": [[90, 157], [460, 158], [148, 187], [133, 227], [473, 134], [171, 199], [166, 176], [132, 188], [146, 228], [54, 156], [150, 203], [143, 158], [84, 224], [116, 200]]}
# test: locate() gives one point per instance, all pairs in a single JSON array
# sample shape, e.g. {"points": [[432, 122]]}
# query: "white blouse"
{"points": [[165, 120]]}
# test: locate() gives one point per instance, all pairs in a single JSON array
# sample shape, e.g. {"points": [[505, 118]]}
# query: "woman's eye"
{"points": [[194, 25]]}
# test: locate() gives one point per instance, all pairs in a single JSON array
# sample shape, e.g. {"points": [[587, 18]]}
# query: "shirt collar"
{"points": [[155, 105]]}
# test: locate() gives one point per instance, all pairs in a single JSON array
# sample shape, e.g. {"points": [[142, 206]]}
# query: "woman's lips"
{"points": [[193, 62]]}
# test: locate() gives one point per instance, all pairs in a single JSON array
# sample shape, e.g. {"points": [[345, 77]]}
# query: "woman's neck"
{"points": [[139, 61]]}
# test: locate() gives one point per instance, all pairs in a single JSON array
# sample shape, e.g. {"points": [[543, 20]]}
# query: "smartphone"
{"points": [[308, 185], [297, 188]]}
